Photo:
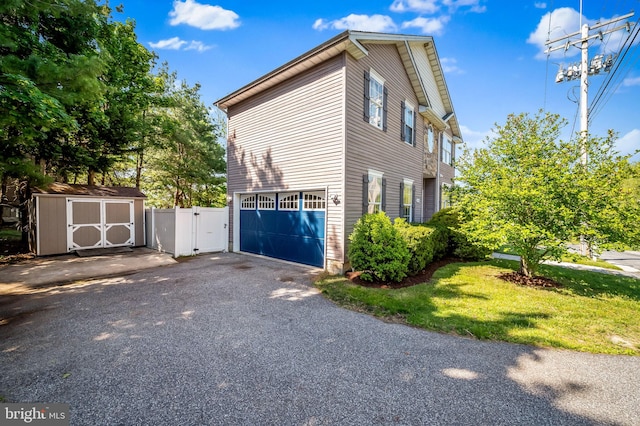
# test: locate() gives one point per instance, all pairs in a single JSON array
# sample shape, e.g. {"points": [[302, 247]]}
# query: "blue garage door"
{"points": [[285, 225]]}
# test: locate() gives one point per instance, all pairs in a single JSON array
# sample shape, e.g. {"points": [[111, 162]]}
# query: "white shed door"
{"points": [[96, 223]]}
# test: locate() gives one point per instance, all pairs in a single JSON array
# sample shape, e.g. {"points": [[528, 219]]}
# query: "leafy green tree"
{"points": [[48, 63], [186, 163], [530, 190]]}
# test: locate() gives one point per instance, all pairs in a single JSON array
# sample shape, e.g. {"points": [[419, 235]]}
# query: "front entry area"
{"points": [[284, 225]]}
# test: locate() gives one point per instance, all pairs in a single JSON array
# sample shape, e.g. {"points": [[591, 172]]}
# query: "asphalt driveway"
{"points": [[232, 339]]}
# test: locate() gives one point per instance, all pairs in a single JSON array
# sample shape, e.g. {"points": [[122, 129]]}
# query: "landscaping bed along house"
{"points": [[430, 276]]}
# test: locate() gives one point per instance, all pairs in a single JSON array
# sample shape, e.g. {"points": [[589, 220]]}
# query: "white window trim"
{"points": [[428, 130], [283, 195], [376, 175], [322, 198], [245, 197], [272, 199], [378, 78], [447, 143], [408, 183], [408, 106]]}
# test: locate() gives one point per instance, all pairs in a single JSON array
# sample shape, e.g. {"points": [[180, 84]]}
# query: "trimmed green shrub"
{"points": [[377, 249], [425, 243], [459, 244]]}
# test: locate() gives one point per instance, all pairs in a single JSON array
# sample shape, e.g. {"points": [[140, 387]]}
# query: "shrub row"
{"points": [[383, 251]]}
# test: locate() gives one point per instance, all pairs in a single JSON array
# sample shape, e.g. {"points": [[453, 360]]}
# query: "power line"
{"points": [[604, 93]]}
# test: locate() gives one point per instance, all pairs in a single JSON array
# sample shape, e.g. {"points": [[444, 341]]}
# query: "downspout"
{"points": [[437, 206]]}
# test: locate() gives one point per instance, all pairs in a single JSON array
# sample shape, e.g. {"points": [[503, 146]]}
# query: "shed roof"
{"points": [[352, 42], [58, 188]]}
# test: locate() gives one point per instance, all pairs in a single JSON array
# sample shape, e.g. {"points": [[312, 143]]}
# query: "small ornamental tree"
{"points": [[378, 250], [530, 190]]}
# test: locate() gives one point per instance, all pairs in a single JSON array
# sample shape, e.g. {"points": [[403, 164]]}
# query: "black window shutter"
{"points": [[401, 199], [365, 194], [385, 94], [367, 96], [384, 195], [402, 123], [413, 203], [415, 126]]}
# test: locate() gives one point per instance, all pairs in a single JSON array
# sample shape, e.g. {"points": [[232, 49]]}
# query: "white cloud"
{"points": [[203, 16], [564, 20], [198, 45], [473, 5], [433, 26], [540, 5], [375, 23], [631, 81], [172, 44], [175, 43], [421, 6], [629, 143], [450, 66], [475, 139]]}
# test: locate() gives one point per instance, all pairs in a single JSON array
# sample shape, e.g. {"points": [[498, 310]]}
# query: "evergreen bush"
{"points": [[378, 250]]}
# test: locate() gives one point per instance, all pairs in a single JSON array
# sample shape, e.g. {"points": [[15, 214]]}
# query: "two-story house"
{"points": [[363, 122]]}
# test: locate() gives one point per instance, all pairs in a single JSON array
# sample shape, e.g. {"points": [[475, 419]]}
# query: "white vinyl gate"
{"points": [[186, 232], [97, 223]]}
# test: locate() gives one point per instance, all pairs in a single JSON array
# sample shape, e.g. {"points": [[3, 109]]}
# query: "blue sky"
{"points": [[492, 51]]}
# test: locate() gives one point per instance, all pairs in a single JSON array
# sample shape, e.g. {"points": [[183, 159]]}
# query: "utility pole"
{"points": [[582, 70]]}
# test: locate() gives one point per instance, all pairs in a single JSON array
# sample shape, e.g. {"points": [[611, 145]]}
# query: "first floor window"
{"points": [[407, 200], [445, 196], [375, 192], [446, 150]]}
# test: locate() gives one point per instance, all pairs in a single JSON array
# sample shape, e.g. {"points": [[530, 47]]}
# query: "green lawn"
{"points": [[10, 234], [592, 312]]}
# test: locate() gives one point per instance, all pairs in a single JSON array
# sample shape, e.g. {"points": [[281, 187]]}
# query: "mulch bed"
{"points": [[421, 278], [517, 278], [426, 274]]}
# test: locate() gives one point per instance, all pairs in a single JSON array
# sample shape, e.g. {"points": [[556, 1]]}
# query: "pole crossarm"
{"points": [[568, 44]]}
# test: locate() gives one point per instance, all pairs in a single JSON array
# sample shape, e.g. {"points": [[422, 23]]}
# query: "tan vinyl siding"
{"points": [[368, 147], [52, 225], [291, 137], [429, 81], [138, 220]]}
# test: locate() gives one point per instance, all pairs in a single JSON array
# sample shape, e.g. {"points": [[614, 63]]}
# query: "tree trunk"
{"points": [[91, 177], [139, 162], [525, 268]]}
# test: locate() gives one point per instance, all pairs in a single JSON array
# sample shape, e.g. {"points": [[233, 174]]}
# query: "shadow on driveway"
{"points": [[233, 339]]}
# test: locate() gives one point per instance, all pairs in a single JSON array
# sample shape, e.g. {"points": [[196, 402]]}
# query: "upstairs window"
{"points": [[375, 100], [408, 123]]}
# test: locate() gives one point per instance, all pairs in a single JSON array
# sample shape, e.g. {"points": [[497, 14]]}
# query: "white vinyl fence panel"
{"points": [[187, 232]]}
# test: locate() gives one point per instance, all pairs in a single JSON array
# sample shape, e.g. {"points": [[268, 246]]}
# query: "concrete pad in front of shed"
{"points": [[55, 270]]}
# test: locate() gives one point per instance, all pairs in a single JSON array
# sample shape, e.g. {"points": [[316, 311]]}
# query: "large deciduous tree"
{"points": [[186, 164], [530, 190]]}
